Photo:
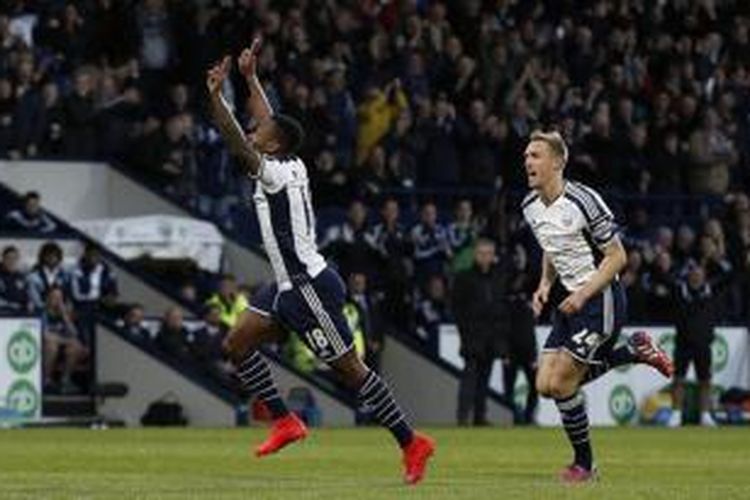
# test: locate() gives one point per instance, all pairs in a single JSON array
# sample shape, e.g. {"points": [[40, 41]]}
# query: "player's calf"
{"points": [[376, 397]]}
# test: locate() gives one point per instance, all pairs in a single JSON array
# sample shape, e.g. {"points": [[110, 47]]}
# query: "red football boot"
{"points": [[416, 455], [575, 474], [284, 431], [650, 353]]}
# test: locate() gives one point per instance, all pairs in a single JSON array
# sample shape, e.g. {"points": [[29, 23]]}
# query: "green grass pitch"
{"points": [[364, 464]]}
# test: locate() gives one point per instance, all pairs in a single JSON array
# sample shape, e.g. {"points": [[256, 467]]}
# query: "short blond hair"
{"points": [[555, 142]]}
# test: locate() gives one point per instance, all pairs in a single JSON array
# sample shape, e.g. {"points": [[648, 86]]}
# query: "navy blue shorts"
{"points": [[590, 334], [313, 309]]}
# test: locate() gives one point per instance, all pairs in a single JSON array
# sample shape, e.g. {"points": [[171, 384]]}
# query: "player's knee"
{"points": [[234, 347], [558, 387], [351, 370], [542, 388]]}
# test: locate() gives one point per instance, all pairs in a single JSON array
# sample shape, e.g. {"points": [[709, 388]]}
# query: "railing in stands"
{"points": [[240, 225]]}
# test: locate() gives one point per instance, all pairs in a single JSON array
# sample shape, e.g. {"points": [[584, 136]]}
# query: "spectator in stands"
{"points": [[432, 309], [230, 302], [330, 181], [632, 279], [668, 176], [166, 156], [28, 108], [712, 157], [172, 338], [481, 309], [479, 141], [132, 324], [157, 50], [684, 246], [403, 146], [14, 295], [340, 107], [522, 350], [376, 114], [80, 118], [440, 164], [189, 293], [31, 217], [60, 336], [430, 242], [389, 241], [347, 244], [206, 345], [93, 289], [462, 233], [50, 130], [47, 273], [659, 286], [363, 314]]}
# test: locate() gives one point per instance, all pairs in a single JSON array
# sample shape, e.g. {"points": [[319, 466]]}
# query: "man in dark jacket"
{"points": [[522, 350], [93, 288], [30, 217], [205, 344], [698, 300], [173, 336], [479, 303], [14, 294]]}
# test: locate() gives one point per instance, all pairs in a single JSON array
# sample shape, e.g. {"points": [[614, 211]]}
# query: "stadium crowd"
{"points": [[405, 101]]}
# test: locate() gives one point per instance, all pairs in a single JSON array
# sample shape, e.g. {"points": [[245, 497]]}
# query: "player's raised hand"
{"points": [[217, 74], [539, 299], [248, 60]]}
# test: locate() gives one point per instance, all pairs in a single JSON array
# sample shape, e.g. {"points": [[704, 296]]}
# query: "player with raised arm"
{"points": [[582, 256], [307, 296]]}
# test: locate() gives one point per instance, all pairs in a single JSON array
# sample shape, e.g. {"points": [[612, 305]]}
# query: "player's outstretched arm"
{"points": [[225, 121], [257, 104], [613, 262]]}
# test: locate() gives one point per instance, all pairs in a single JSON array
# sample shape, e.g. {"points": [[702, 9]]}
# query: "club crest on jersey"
{"points": [[567, 221]]}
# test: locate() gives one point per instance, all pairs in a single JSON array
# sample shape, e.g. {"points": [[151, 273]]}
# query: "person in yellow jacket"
{"points": [[228, 300], [356, 324], [376, 114]]}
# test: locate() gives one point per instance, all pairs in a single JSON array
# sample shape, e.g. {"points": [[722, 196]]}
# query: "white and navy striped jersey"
{"points": [[287, 223], [571, 231]]}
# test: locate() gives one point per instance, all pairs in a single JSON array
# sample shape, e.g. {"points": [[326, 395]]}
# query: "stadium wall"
{"points": [[79, 191], [149, 380], [427, 391]]}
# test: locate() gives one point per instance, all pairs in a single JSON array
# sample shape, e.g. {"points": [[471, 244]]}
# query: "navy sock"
{"points": [[623, 355], [255, 380], [595, 371], [576, 423], [617, 357], [376, 397]]}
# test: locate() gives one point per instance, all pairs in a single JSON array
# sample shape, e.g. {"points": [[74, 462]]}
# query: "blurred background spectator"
{"points": [[61, 339], [14, 293], [30, 218], [480, 300]]}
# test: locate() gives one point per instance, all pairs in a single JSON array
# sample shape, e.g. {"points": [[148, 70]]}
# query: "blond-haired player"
{"points": [[582, 256]]}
